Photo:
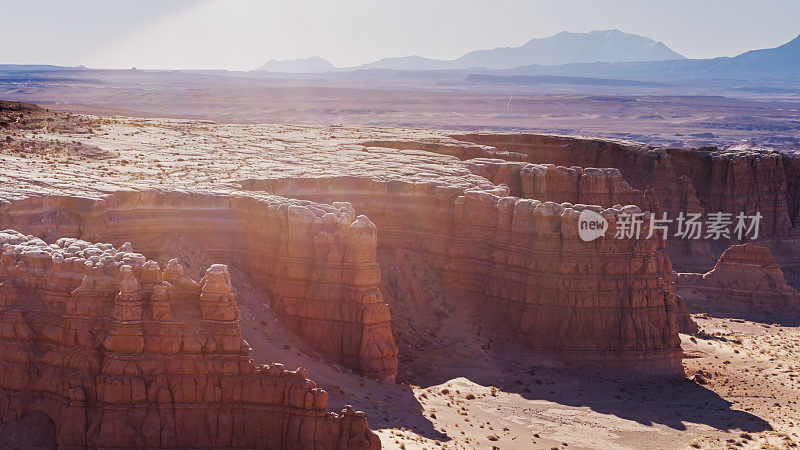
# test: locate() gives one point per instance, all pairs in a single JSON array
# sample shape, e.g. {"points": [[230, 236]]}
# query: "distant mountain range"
{"points": [[774, 69], [563, 48], [774, 64], [778, 58], [315, 64]]}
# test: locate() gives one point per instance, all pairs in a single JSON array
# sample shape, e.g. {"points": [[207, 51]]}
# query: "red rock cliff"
{"points": [[746, 279], [317, 261], [119, 353], [703, 180], [606, 302]]}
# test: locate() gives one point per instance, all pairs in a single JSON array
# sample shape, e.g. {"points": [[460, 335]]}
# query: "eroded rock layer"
{"points": [[448, 202], [120, 353], [746, 279], [607, 302], [317, 261], [706, 180], [548, 182]]}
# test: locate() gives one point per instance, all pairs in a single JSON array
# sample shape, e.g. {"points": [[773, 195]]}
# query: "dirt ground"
{"points": [[741, 392]]}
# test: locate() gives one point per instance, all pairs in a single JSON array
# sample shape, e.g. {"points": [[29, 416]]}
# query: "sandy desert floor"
{"points": [[480, 390], [664, 120], [721, 113]]}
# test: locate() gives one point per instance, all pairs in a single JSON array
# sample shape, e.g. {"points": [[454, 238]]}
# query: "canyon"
{"points": [[369, 245]]}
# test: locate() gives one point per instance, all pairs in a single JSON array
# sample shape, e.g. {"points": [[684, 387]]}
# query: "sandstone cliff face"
{"points": [[736, 182], [609, 302], [745, 280], [317, 261], [703, 180], [636, 161], [548, 182], [604, 187], [120, 353], [557, 291], [500, 172], [791, 169]]}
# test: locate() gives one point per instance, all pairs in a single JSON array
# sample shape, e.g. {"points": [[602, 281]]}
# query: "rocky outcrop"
{"points": [[745, 280], [686, 323], [317, 261], [739, 181], [119, 353], [706, 180], [609, 302], [316, 254], [500, 172], [548, 182], [791, 170], [557, 292], [604, 187]]}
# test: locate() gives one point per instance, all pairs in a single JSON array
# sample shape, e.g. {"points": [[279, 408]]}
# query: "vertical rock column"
{"points": [[325, 281], [219, 312], [377, 352], [120, 384], [125, 335]]}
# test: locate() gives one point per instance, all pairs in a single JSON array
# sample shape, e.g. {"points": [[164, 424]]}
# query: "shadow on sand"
{"points": [[669, 402], [673, 403]]}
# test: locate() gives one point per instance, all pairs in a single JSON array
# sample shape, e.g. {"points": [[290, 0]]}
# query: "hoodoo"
{"points": [[745, 281], [91, 337]]}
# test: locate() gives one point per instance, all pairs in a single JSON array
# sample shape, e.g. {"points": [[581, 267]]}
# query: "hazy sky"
{"points": [[243, 34]]}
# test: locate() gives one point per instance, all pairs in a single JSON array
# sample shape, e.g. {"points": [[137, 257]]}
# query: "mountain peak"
{"points": [[608, 32], [562, 48], [565, 47]]}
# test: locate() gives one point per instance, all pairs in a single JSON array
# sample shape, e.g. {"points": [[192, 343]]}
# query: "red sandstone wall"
{"points": [[739, 182], [791, 170], [706, 179], [317, 261], [746, 279], [559, 184], [119, 353], [604, 187], [607, 302]]}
